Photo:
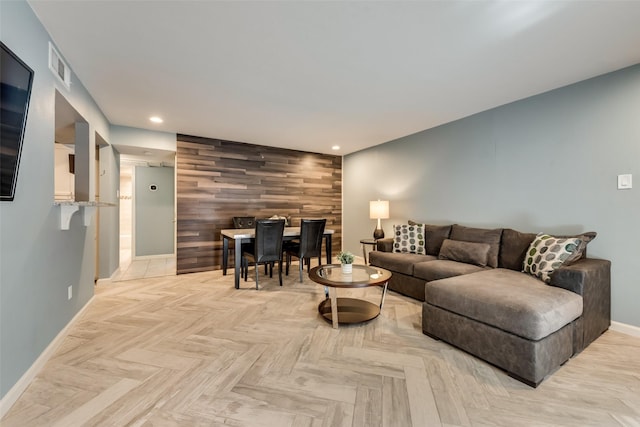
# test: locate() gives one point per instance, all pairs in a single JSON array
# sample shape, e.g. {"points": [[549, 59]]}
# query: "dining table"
{"points": [[247, 235]]}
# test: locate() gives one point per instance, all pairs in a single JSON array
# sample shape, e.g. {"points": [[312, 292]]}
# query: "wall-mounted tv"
{"points": [[16, 79]]}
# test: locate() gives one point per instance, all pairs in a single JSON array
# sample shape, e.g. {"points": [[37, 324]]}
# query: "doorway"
{"points": [[126, 214], [141, 254]]}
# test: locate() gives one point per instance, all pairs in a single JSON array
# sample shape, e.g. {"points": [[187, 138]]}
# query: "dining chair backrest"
{"points": [[268, 240], [244, 221], [311, 231]]}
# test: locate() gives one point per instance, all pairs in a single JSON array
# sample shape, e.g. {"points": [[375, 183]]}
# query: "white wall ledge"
{"points": [[69, 207]]}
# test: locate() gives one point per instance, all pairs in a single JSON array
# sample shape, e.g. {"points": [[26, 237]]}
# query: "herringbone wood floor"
{"points": [[191, 350]]}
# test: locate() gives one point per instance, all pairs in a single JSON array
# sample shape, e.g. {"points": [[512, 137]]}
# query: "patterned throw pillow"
{"points": [[546, 253], [580, 253], [409, 239]]}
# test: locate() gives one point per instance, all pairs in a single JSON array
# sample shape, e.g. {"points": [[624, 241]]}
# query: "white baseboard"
{"points": [[108, 279], [625, 329], [21, 385]]}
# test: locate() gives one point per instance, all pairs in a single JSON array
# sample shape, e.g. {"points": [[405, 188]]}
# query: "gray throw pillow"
{"points": [[480, 235], [467, 252]]}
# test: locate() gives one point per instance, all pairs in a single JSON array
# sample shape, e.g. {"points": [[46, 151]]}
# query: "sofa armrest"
{"points": [[590, 278], [385, 245]]}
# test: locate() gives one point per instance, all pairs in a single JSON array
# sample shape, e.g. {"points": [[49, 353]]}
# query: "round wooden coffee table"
{"points": [[349, 310]]}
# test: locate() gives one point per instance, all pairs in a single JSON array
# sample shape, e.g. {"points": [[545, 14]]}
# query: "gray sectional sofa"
{"points": [[480, 301]]}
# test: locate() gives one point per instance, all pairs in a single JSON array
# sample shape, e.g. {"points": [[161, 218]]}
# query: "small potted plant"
{"points": [[346, 259]]}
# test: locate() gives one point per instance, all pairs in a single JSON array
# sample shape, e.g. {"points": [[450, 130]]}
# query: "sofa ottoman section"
{"points": [[525, 360], [527, 326], [533, 311]]}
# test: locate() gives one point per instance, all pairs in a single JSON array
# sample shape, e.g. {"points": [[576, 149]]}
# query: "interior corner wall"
{"points": [[38, 260], [546, 163], [217, 180], [142, 138], [109, 217]]}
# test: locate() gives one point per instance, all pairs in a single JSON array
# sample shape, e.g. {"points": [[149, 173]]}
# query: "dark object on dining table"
{"points": [[244, 221], [267, 248], [309, 246]]}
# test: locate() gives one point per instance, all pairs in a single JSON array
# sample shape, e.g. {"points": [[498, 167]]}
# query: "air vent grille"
{"points": [[59, 67]]}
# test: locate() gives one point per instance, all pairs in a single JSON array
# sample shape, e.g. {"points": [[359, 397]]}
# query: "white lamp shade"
{"points": [[379, 209]]}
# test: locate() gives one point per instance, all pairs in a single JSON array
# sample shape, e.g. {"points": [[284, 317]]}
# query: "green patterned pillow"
{"points": [[409, 239], [546, 253]]}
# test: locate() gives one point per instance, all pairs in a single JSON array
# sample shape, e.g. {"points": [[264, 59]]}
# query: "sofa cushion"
{"points": [[509, 300], [434, 235], [441, 269], [480, 235], [409, 239], [547, 253], [513, 248], [400, 263], [467, 252]]}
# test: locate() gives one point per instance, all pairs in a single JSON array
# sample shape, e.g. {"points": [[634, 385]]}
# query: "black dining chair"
{"points": [[244, 222], [267, 247], [309, 246]]}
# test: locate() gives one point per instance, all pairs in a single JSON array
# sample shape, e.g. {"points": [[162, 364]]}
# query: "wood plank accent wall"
{"points": [[217, 180]]}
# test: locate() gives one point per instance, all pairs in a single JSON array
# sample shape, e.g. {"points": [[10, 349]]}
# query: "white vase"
{"points": [[346, 268]]}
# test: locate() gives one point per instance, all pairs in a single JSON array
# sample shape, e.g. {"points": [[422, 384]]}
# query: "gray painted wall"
{"points": [[547, 163], [154, 211], [38, 261]]}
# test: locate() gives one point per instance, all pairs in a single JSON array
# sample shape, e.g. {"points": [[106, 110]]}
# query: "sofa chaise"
{"points": [[480, 295]]}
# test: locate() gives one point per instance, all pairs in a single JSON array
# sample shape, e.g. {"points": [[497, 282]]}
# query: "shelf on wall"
{"points": [[68, 208]]}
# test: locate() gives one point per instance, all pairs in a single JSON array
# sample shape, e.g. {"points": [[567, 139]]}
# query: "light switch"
{"points": [[624, 181]]}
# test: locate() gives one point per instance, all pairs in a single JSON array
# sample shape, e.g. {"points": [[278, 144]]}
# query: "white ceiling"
{"points": [[310, 74]]}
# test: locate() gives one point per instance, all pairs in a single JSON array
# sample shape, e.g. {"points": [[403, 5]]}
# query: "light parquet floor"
{"points": [[191, 350], [145, 268]]}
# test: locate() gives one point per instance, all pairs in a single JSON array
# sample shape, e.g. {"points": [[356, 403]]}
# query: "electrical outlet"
{"points": [[69, 292]]}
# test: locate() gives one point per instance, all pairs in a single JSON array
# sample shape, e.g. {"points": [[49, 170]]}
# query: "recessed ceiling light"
{"points": [[156, 119], [335, 147]]}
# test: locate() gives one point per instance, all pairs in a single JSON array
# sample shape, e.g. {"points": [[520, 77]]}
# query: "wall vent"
{"points": [[59, 67]]}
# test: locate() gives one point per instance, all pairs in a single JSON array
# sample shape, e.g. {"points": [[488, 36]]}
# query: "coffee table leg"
{"points": [[334, 307], [384, 294]]}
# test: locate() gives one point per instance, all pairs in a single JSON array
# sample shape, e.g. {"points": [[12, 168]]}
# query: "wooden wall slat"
{"points": [[217, 180]]}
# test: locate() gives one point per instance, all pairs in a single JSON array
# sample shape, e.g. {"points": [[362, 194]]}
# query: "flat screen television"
{"points": [[16, 79]]}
